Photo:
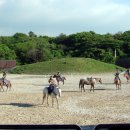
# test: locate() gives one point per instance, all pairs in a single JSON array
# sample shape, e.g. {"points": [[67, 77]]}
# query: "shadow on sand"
{"points": [[19, 104], [88, 89], [24, 105]]}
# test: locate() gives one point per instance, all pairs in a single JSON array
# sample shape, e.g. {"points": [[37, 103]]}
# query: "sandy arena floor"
{"points": [[22, 105]]}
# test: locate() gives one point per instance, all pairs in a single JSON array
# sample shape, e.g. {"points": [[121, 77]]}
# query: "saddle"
{"points": [[51, 88]]}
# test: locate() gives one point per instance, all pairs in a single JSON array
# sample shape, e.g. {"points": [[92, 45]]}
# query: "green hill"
{"points": [[66, 65]]}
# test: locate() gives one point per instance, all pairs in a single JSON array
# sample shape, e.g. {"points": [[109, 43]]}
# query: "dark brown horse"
{"points": [[117, 82], [127, 77], [59, 79], [6, 83]]}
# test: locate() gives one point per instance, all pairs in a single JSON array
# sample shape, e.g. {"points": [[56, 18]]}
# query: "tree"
{"points": [[32, 34], [6, 53], [20, 37]]}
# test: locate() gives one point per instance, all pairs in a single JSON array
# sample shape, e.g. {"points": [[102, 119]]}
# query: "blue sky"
{"points": [[52, 17]]}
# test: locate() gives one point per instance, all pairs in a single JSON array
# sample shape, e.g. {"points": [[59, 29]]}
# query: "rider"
{"points": [[52, 84], [128, 71], [3, 78], [117, 75], [52, 81], [58, 74]]}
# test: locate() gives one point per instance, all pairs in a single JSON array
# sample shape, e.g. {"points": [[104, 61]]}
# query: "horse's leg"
{"points": [[90, 88], [93, 87], [116, 86], [47, 101], [7, 87], [63, 81], [44, 96], [83, 88], [57, 102], [2, 88], [10, 87], [127, 79], [52, 101]]}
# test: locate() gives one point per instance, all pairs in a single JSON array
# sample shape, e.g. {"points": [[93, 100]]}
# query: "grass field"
{"points": [[66, 65]]}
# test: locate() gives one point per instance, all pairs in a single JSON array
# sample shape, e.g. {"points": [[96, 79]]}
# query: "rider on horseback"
{"points": [[52, 83], [58, 74], [117, 75], [3, 78], [128, 71]]}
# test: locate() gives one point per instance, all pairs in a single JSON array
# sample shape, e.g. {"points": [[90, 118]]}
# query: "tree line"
{"points": [[30, 48]]}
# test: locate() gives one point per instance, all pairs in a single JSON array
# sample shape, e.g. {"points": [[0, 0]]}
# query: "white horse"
{"points": [[56, 93]]}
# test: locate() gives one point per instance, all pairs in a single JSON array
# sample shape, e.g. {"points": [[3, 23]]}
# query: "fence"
{"points": [[5, 64]]}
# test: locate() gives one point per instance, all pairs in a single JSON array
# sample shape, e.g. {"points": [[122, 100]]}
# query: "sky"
{"points": [[53, 17]]}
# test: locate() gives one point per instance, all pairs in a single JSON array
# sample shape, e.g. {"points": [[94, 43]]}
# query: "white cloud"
{"points": [[67, 16]]}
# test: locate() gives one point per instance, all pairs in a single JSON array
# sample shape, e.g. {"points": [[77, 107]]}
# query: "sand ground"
{"points": [[23, 104]]}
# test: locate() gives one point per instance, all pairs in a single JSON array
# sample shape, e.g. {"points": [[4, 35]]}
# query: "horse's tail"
{"points": [[79, 83], [120, 82], [10, 85]]}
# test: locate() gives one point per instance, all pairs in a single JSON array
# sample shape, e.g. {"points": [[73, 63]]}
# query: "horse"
{"points": [[117, 82], [83, 82], [55, 93], [127, 77], [89, 81], [6, 83], [58, 79], [96, 79]]}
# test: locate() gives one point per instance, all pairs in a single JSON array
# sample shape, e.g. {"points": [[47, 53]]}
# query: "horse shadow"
{"points": [[24, 105], [19, 104]]}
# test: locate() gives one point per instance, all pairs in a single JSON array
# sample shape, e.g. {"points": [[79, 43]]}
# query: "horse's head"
{"points": [[54, 76], [100, 80], [64, 78]]}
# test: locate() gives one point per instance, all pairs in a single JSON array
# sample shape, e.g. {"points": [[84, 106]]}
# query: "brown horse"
{"points": [[117, 82], [127, 77], [6, 83], [89, 81], [97, 79], [58, 79], [83, 82]]}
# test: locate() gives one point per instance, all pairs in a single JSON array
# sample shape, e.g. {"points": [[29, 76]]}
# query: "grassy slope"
{"points": [[66, 65]]}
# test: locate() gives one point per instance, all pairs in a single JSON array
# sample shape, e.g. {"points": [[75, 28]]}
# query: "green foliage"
{"points": [[6, 53], [20, 37], [26, 49]]}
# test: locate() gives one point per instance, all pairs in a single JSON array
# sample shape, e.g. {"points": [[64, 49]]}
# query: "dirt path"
{"points": [[22, 105]]}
